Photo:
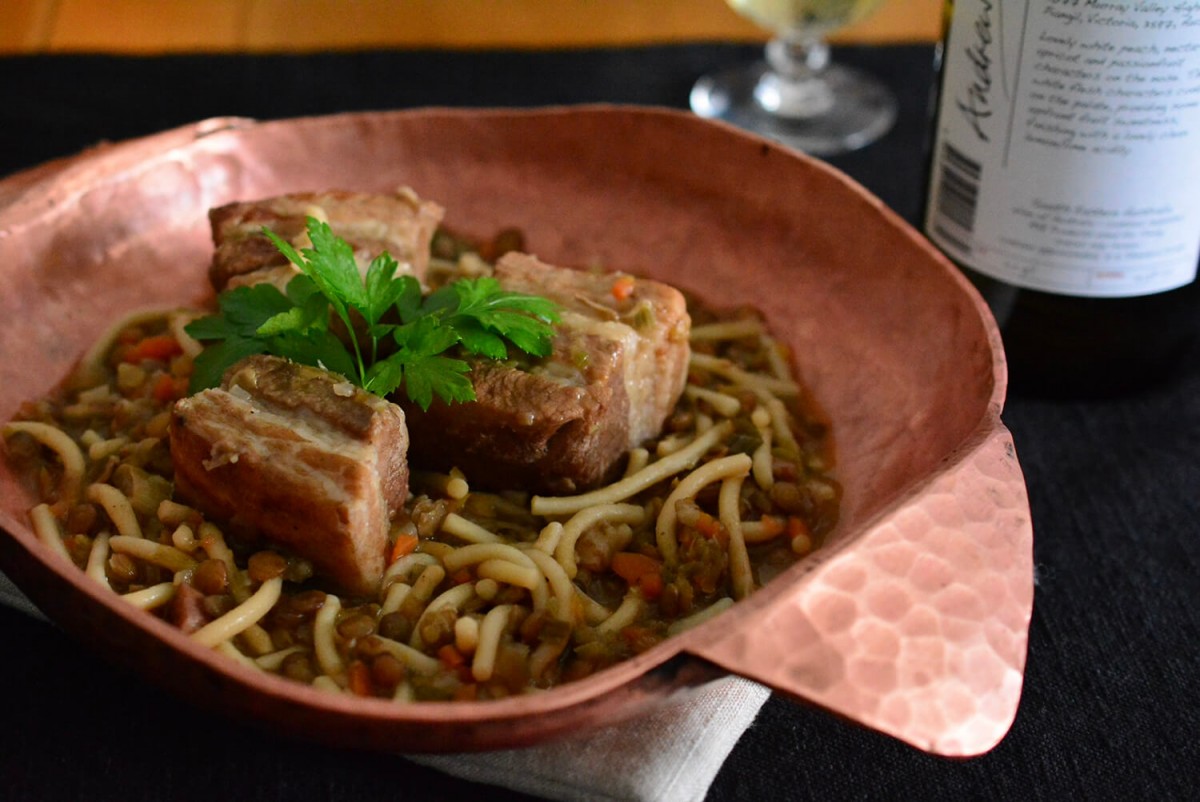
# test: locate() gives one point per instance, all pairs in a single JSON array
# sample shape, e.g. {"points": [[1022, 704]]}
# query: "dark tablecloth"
{"points": [[1111, 706]]}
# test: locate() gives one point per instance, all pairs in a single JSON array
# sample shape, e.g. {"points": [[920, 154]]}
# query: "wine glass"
{"points": [[797, 96]]}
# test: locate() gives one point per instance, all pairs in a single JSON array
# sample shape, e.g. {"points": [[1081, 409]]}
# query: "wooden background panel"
{"points": [[163, 26]]}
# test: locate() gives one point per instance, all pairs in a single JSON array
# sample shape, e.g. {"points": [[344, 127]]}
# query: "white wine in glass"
{"points": [[797, 96]]}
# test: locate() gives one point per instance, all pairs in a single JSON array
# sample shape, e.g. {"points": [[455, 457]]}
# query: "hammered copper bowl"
{"points": [[913, 620]]}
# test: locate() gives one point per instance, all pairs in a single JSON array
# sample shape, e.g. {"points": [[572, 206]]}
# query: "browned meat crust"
{"points": [[301, 456], [563, 424], [532, 430], [401, 224], [653, 315]]}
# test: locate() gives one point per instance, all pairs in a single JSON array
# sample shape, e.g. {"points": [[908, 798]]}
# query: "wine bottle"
{"points": [[1065, 182]]}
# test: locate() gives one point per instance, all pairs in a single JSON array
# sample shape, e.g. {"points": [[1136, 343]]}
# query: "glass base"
{"points": [[857, 109]]}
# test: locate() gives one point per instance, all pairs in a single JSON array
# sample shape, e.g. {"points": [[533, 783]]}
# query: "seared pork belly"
{"points": [[647, 318], [561, 425], [401, 224], [301, 456]]}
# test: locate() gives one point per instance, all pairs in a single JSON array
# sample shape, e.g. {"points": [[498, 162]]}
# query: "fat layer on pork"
{"points": [[301, 457], [401, 224], [564, 423]]}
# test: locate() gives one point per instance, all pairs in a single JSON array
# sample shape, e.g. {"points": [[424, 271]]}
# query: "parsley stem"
{"points": [[353, 337]]}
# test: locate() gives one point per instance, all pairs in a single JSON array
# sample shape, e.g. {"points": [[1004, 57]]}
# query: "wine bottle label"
{"points": [[1067, 149]]}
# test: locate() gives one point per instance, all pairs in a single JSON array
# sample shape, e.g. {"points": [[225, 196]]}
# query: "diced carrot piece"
{"points": [[169, 388], [161, 347], [772, 525], [796, 526], [622, 288], [632, 566], [800, 535], [461, 577], [451, 657], [404, 545], [651, 585], [466, 693], [360, 678], [711, 528]]}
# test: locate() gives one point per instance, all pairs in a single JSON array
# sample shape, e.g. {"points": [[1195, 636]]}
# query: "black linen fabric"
{"points": [[1111, 705]]}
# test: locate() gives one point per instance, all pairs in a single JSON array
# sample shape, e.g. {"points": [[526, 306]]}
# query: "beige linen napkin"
{"points": [[670, 755]]}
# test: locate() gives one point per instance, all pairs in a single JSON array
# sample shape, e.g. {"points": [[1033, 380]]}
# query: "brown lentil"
{"points": [[356, 625], [387, 671], [264, 565], [211, 577]]}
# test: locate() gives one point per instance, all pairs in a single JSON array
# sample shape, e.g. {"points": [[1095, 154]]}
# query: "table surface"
{"points": [[1112, 694]]}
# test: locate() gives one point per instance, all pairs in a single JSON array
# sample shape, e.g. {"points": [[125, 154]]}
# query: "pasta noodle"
{"points": [[638, 458], [63, 446], [229, 650], [489, 642], [763, 458], [257, 640], [752, 381], [400, 568], [417, 661], [327, 683], [396, 594], [736, 465], [560, 584], [96, 558], [460, 527], [721, 403], [631, 485], [623, 616], [46, 527], [775, 359], [273, 661], [529, 578], [118, 508], [103, 449], [324, 646], [151, 597], [684, 624], [488, 592], [593, 611], [778, 419], [726, 330], [466, 634], [239, 618], [564, 552], [213, 543], [467, 555], [452, 599], [168, 557], [740, 575], [548, 539]]}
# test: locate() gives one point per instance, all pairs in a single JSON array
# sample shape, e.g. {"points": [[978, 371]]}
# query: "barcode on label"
{"points": [[957, 194]]}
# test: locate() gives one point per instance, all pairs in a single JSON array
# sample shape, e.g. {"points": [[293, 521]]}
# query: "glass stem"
{"points": [[792, 85]]}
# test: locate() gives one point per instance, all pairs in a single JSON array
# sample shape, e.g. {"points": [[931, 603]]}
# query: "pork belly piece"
{"points": [[401, 224], [300, 456], [563, 424], [649, 318]]}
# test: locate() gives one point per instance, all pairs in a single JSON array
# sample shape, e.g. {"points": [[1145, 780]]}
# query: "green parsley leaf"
{"points": [[243, 311], [438, 374], [474, 315], [213, 361], [522, 319]]}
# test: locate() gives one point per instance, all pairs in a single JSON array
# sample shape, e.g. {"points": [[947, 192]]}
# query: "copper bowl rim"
{"points": [[24, 196]]}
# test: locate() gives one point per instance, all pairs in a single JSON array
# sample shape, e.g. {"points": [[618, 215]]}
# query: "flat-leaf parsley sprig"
{"points": [[395, 337]]}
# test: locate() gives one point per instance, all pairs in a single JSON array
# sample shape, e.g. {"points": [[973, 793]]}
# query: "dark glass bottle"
{"points": [[1064, 183], [1064, 346]]}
